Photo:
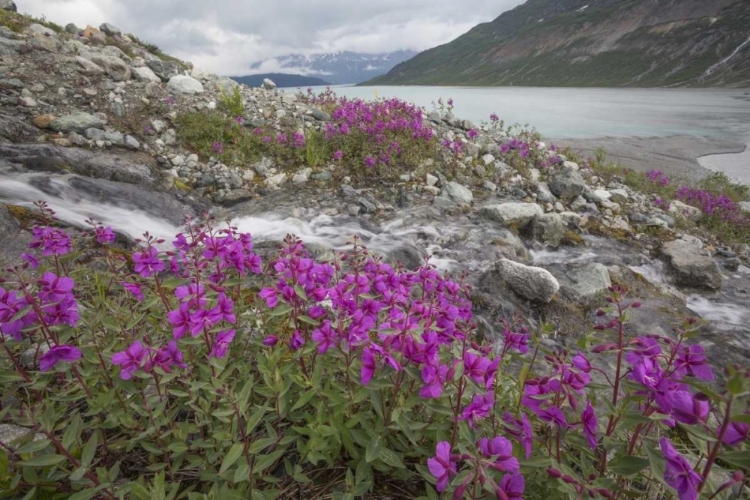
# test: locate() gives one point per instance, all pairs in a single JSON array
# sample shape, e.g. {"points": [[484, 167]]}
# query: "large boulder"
{"points": [[183, 84], [531, 283], [145, 74], [76, 122], [580, 282], [115, 67], [268, 84], [38, 29], [548, 229], [165, 69], [8, 5], [110, 29], [512, 213], [457, 193], [567, 184], [89, 67], [690, 265]]}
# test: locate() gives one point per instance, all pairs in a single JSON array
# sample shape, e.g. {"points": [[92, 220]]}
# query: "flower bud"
{"points": [[569, 479], [592, 476], [738, 476], [605, 493], [601, 312], [554, 472], [635, 305]]}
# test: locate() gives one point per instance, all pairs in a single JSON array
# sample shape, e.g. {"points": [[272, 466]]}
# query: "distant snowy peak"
{"points": [[337, 67]]}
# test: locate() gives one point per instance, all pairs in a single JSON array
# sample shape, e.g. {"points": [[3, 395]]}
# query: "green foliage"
{"points": [[232, 104], [316, 149]]}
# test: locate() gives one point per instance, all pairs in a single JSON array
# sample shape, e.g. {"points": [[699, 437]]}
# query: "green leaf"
{"points": [[233, 454], [242, 473], [84, 494], [77, 474], [741, 418], [738, 458], [300, 292], [391, 458], [43, 461], [89, 450], [374, 448], [71, 433], [628, 466], [280, 310], [140, 491], [33, 446]]}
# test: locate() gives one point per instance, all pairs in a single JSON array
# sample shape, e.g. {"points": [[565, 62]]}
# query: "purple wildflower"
{"points": [[501, 450], [221, 344], [104, 235], [588, 419], [130, 360], [52, 241], [134, 289], [513, 486], [65, 353], [678, 473], [479, 408], [147, 262], [442, 465]]}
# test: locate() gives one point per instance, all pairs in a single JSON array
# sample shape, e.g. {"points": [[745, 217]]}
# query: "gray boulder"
{"points": [[110, 29], [115, 67], [8, 5], [531, 283], [183, 84], [145, 74], [165, 69], [76, 122], [89, 67], [548, 229], [567, 185], [580, 282], [321, 115], [268, 84], [38, 29], [691, 266], [516, 213], [72, 29], [543, 193], [457, 193]]}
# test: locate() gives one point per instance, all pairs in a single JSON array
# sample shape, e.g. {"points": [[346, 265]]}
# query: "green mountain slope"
{"points": [[641, 43]]}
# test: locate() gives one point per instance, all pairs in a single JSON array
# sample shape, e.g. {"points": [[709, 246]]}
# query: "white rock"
{"points": [[433, 190], [276, 180], [302, 176], [571, 165], [516, 213], [531, 283], [145, 74], [457, 193], [431, 180], [488, 160], [183, 84], [677, 207]]}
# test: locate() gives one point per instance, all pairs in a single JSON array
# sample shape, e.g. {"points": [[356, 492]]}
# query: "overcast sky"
{"points": [[227, 36]]}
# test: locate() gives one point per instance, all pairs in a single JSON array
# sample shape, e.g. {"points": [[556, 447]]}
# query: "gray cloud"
{"points": [[227, 36]]}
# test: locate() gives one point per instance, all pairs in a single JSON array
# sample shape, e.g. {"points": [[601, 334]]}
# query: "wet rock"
{"points": [[567, 185], [732, 264], [518, 214], [76, 122], [50, 158], [276, 180], [16, 129], [548, 229], [531, 283], [691, 266], [408, 255], [580, 283], [457, 193], [321, 176], [366, 205]]}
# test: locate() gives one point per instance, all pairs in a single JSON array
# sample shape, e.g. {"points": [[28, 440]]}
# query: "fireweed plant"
{"points": [[202, 371]]}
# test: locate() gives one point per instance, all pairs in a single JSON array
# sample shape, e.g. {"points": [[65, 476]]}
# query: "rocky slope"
{"points": [[88, 122], [639, 43]]}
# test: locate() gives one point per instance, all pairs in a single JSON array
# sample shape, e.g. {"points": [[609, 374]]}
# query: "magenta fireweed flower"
{"points": [[52, 241], [479, 408], [130, 360], [736, 433], [689, 408], [678, 473], [55, 289], [442, 465], [240, 120], [513, 486], [581, 362], [369, 161], [218, 148], [281, 139], [326, 337], [494, 118], [434, 379], [147, 262], [64, 353], [221, 344], [472, 134], [298, 138], [271, 296], [518, 341], [104, 235], [134, 289], [480, 369], [501, 450], [338, 155], [165, 358], [271, 341], [33, 261], [12, 318], [520, 429], [181, 321], [588, 419], [225, 309], [692, 361], [368, 366], [296, 341]]}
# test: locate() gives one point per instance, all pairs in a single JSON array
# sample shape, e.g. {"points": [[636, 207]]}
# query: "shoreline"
{"points": [[676, 156]]}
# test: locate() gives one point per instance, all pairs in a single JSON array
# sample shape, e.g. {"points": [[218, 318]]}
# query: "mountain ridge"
{"points": [[282, 80], [636, 43], [336, 67]]}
